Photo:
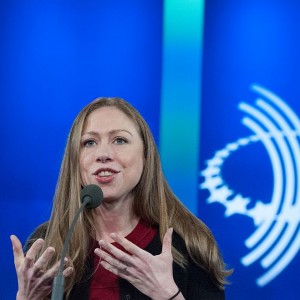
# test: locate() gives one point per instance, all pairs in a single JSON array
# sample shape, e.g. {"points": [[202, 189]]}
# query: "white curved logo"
{"points": [[276, 240]]}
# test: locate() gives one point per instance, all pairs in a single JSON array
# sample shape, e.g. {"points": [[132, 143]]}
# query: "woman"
{"points": [[168, 253]]}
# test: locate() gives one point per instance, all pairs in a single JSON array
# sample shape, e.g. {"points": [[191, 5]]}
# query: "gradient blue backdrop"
{"points": [[246, 42], [57, 56]]}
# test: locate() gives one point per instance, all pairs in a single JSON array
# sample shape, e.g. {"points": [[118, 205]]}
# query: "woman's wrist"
{"points": [[175, 295], [168, 293]]}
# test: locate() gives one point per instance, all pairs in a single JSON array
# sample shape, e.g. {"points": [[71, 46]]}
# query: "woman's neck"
{"points": [[113, 218]]}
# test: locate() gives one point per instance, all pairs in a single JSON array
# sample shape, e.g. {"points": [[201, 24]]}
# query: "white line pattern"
{"points": [[276, 240]]}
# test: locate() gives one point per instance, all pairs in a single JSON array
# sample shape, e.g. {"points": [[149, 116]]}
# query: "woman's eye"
{"points": [[120, 141], [89, 143]]}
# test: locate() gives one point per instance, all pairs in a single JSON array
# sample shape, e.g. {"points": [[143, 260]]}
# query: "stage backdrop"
{"points": [[217, 81]]}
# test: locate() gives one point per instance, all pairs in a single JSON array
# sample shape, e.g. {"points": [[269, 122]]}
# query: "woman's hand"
{"points": [[152, 275], [34, 282]]}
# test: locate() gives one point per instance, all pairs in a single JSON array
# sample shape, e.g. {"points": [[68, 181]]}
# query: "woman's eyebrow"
{"points": [[114, 131], [120, 130]]}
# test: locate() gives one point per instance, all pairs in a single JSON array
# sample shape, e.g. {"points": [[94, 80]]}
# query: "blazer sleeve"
{"points": [[194, 282], [200, 285]]}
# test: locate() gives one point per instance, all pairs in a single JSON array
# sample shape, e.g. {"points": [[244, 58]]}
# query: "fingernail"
{"points": [[11, 239], [50, 250], [68, 271], [40, 242]]}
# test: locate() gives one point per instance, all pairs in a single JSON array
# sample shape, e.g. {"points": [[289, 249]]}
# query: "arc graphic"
{"points": [[276, 240]]}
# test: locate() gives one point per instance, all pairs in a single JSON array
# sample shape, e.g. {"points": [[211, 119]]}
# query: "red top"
{"points": [[104, 284]]}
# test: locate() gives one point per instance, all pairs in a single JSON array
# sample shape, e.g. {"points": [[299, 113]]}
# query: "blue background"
{"points": [[246, 42], [56, 56]]}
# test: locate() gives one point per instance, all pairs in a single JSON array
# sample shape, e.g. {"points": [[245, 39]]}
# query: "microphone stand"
{"points": [[59, 280]]}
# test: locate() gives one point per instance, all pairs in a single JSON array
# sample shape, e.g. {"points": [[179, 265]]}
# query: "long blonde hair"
{"points": [[154, 201]]}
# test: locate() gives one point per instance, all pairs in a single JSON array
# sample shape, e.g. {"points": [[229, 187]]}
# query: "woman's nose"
{"points": [[103, 158], [104, 154]]}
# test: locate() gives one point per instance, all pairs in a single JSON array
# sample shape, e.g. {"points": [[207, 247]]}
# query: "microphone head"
{"points": [[93, 194]]}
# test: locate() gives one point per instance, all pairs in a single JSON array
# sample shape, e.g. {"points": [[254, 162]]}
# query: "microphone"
{"points": [[91, 197]]}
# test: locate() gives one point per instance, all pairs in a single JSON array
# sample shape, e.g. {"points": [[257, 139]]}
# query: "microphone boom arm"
{"points": [[59, 280]]}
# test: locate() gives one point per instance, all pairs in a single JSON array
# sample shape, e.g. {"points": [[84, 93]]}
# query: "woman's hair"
{"points": [[153, 201]]}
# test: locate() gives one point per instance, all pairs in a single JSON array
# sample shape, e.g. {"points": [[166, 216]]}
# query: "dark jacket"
{"points": [[193, 281]]}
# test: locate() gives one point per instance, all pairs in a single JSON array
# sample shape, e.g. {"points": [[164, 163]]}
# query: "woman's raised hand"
{"points": [[150, 274], [34, 282]]}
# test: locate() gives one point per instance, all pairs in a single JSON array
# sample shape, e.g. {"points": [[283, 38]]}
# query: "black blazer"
{"points": [[193, 281]]}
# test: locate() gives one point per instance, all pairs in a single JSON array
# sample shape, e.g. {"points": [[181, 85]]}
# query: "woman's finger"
{"points": [[32, 252], [68, 271], [167, 242], [122, 272], [52, 272], [40, 264], [17, 250], [114, 262], [127, 245], [127, 258]]}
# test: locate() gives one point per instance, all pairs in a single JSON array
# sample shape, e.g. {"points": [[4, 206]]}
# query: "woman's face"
{"points": [[111, 153]]}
